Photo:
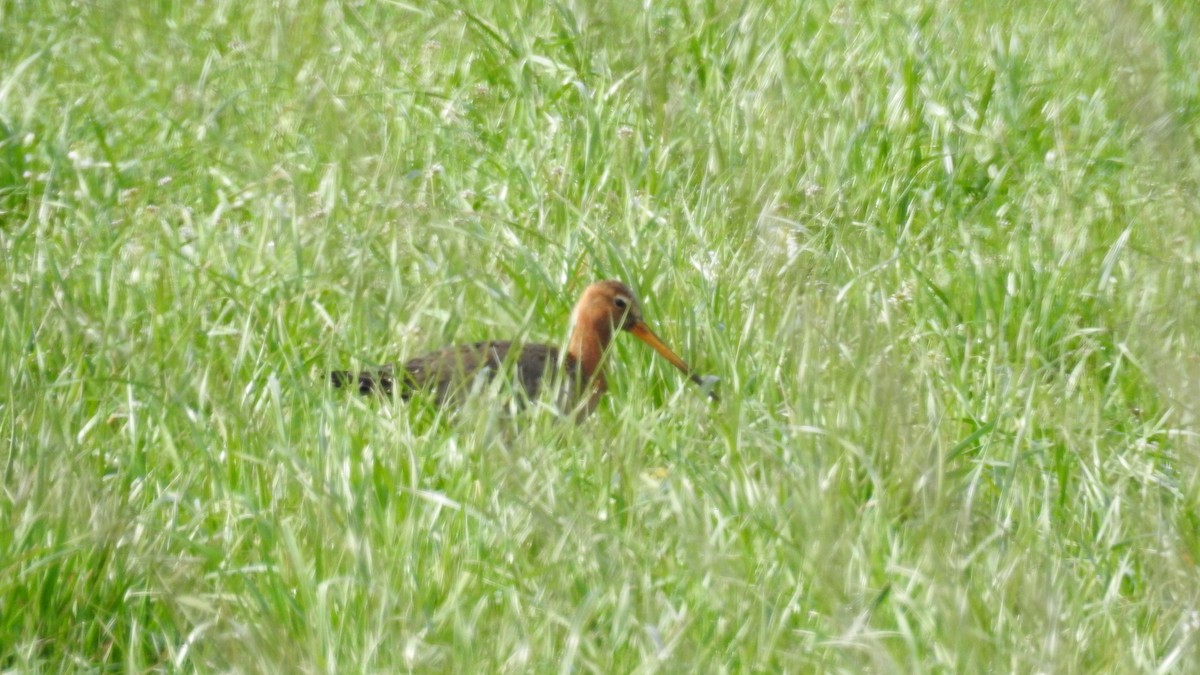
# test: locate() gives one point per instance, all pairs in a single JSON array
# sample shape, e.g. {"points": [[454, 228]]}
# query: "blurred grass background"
{"points": [[943, 255]]}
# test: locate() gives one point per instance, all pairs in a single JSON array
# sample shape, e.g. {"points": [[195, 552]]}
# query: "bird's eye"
{"points": [[620, 302]]}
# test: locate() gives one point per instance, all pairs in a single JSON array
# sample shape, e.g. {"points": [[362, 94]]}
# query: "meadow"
{"points": [[943, 256]]}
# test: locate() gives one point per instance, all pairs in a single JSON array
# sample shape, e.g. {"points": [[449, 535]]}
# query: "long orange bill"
{"points": [[642, 332]]}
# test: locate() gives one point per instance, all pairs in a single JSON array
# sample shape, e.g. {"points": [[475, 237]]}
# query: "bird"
{"points": [[604, 309]]}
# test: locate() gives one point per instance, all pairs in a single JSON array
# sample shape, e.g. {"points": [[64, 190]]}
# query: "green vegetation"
{"points": [[944, 257]]}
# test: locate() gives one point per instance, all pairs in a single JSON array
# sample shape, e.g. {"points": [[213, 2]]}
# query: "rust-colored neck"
{"points": [[589, 340]]}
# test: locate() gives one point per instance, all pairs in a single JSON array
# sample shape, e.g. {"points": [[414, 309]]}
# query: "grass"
{"points": [[942, 255]]}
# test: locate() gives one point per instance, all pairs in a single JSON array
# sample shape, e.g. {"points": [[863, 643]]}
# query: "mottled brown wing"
{"points": [[446, 372]]}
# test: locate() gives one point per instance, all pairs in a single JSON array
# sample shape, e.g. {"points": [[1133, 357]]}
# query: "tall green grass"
{"points": [[942, 255]]}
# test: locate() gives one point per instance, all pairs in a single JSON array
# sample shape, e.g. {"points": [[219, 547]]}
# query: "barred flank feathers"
{"points": [[367, 381]]}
